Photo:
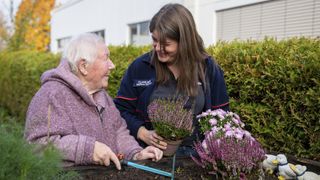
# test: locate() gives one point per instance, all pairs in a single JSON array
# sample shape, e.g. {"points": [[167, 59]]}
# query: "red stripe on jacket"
{"points": [[126, 98], [218, 106]]}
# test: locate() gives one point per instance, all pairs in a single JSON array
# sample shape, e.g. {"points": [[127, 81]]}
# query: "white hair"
{"points": [[82, 47]]}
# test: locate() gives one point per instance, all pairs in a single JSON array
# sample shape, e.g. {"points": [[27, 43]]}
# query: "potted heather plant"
{"points": [[228, 150], [171, 121]]}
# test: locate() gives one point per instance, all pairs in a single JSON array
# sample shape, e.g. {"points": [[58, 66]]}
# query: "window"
{"points": [[280, 19], [134, 30], [144, 28], [62, 43], [139, 33], [100, 33]]}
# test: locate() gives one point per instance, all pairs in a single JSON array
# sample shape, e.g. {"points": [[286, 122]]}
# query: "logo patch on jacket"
{"points": [[142, 83]]}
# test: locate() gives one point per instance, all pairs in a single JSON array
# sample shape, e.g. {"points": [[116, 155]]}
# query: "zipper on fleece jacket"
{"points": [[99, 113]]}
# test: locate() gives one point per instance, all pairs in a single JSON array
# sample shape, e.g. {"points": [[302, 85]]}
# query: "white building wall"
{"points": [[79, 16], [278, 18], [206, 17]]}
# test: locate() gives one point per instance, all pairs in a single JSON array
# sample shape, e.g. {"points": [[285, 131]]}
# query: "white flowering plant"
{"points": [[220, 123], [227, 150]]}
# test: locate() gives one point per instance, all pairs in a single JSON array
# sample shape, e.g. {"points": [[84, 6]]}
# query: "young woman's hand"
{"points": [[149, 152], [150, 137], [102, 155]]}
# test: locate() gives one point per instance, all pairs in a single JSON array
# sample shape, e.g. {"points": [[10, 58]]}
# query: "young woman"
{"points": [[178, 64]]}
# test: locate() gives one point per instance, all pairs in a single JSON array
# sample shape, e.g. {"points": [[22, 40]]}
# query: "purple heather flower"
{"points": [[242, 176], [204, 145], [218, 142], [172, 113], [226, 143]]}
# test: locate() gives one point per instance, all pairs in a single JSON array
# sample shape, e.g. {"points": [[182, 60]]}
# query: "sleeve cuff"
{"points": [[130, 156], [85, 150]]}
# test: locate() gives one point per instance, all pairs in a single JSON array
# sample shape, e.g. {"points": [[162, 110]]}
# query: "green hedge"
{"points": [[20, 78], [21, 71], [273, 85], [122, 56]]}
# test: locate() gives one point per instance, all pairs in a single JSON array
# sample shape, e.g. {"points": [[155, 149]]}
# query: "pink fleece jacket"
{"points": [[75, 120]]}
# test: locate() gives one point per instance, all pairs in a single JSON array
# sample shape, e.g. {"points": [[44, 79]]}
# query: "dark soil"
{"points": [[185, 169]]}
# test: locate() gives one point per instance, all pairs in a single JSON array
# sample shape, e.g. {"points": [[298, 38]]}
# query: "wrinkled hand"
{"points": [[102, 155], [151, 138], [149, 152]]}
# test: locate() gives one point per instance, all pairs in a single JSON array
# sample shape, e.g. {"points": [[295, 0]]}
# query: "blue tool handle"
{"points": [[146, 168]]}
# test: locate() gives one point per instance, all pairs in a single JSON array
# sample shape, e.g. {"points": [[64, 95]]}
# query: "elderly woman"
{"points": [[73, 111]]}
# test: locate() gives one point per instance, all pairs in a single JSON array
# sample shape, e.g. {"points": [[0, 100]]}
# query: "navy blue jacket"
{"points": [[138, 84]]}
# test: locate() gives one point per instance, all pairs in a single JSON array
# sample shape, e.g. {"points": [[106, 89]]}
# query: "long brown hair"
{"points": [[175, 22]]}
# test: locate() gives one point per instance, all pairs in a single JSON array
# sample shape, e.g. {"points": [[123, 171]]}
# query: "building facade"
{"points": [[126, 22]]}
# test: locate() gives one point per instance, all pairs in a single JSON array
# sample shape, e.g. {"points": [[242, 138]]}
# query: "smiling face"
{"points": [[98, 72], [167, 51]]}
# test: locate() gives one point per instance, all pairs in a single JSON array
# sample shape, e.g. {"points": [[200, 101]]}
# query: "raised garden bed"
{"points": [[185, 169]]}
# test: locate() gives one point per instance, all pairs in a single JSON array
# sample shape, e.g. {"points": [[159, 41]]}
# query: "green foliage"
{"points": [[275, 87], [122, 56], [20, 78], [170, 132], [20, 160]]}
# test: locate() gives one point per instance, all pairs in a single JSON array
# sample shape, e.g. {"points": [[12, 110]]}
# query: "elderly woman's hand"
{"points": [[151, 138], [102, 155], [149, 152]]}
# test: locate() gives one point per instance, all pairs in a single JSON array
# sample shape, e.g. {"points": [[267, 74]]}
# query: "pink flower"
{"points": [[227, 126], [213, 113], [236, 116], [229, 145], [239, 134], [247, 134], [213, 121], [214, 130], [229, 133], [220, 116], [205, 146], [218, 141], [236, 121]]}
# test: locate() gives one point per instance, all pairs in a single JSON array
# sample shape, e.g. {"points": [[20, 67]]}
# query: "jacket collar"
{"points": [[99, 99], [147, 58]]}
